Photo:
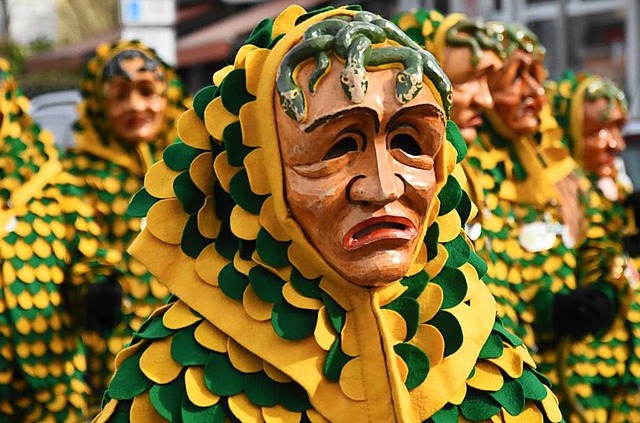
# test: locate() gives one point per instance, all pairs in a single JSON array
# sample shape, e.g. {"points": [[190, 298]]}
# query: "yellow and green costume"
{"points": [[519, 183], [614, 357], [436, 32], [527, 188], [261, 328], [49, 256], [110, 172]]}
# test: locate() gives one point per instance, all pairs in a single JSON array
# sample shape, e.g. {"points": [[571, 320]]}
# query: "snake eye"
{"points": [[294, 94], [344, 79], [402, 78]]}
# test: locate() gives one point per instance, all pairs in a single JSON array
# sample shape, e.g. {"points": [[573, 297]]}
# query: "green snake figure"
{"points": [[473, 34], [613, 358], [352, 42], [111, 169], [516, 37], [609, 91], [430, 64], [262, 326], [409, 80], [50, 254], [329, 27]]}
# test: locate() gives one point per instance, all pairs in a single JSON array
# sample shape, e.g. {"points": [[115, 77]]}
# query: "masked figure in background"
{"points": [[50, 255], [131, 100], [309, 225], [539, 224], [592, 111], [469, 52]]}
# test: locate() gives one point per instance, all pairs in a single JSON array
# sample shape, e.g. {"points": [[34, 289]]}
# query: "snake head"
{"points": [[292, 101], [354, 82], [408, 85]]}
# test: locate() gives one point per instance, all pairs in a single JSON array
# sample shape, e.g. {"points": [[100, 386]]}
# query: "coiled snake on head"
{"points": [[352, 41]]}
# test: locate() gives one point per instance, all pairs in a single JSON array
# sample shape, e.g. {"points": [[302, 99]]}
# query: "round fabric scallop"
{"points": [[156, 364], [211, 337], [179, 316], [190, 124], [279, 414], [221, 377], [351, 380], [200, 172], [417, 362], [324, 333], [449, 326], [430, 340], [292, 323], [261, 390], [242, 359], [242, 409], [166, 221], [197, 392], [186, 351], [295, 299], [159, 180], [256, 308], [129, 381]]}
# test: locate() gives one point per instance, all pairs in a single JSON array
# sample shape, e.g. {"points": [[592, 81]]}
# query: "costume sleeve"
{"points": [[598, 256], [50, 257]]}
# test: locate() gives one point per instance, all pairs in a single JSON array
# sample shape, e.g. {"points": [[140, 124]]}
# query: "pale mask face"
{"points": [[603, 139], [518, 92], [135, 106], [470, 87], [359, 178]]}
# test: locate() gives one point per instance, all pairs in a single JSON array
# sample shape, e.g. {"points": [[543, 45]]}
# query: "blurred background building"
{"points": [[48, 39]]}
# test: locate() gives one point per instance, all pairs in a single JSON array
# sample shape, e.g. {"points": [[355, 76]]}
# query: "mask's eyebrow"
{"points": [[424, 110], [328, 118]]}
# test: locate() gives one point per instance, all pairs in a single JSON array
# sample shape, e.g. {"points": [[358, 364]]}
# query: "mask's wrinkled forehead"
{"points": [[362, 41]]}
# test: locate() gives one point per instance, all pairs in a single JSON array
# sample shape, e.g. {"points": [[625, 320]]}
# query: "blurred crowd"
{"points": [[552, 218]]}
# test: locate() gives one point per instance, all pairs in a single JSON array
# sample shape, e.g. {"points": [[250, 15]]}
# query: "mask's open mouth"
{"points": [[379, 229]]}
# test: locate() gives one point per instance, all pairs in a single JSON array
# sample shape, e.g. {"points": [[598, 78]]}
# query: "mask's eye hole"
{"points": [[342, 147], [406, 143]]}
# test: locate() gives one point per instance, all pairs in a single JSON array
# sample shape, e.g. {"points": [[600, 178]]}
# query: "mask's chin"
{"points": [[140, 137], [376, 267], [469, 134], [526, 125]]}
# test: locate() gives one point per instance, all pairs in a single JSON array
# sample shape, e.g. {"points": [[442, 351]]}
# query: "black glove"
{"points": [[103, 303], [632, 243], [582, 312], [633, 202]]}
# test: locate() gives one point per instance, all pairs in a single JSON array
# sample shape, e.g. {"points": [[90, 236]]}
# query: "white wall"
{"points": [[30, 19]]}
